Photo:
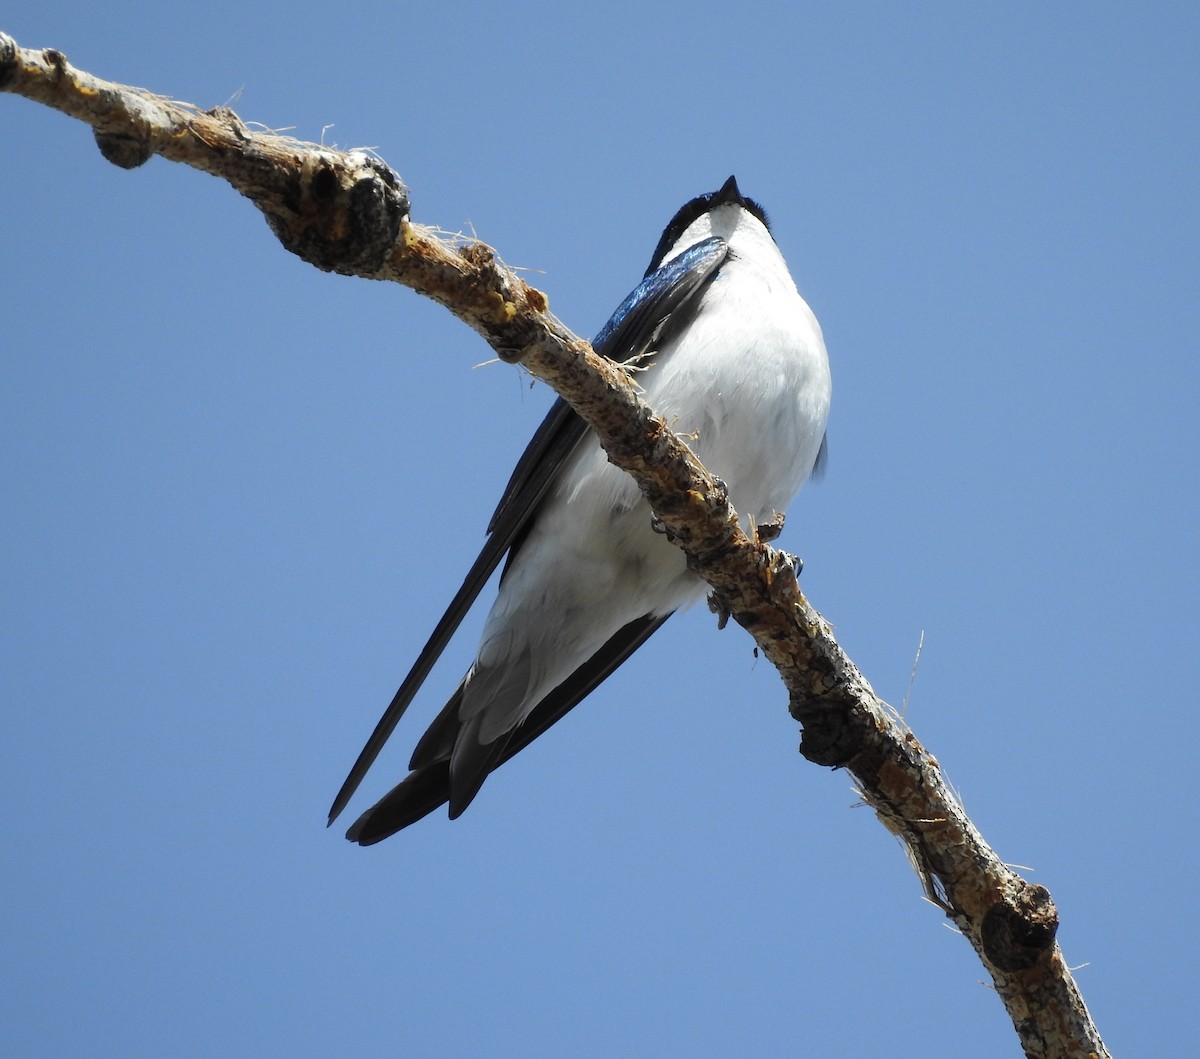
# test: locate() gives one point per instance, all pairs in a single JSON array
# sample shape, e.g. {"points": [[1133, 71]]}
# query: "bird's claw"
{"points": [[794, 561], [720, 608], [769, 530]]}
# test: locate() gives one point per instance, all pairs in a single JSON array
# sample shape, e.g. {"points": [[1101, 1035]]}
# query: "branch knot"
{"points": [[340, 215], [1016, 933]]}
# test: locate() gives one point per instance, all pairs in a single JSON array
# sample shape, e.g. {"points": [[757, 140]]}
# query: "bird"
{"points": [[729, 354]]}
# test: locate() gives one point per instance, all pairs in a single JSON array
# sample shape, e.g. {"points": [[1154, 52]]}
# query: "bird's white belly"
{"points": [[755, 416]]}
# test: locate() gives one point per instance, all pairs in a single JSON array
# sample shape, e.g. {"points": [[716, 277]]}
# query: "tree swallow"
{"points": [[729, 354]]}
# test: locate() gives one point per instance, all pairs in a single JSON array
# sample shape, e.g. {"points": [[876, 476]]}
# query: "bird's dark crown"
{"points": [[727, 195]]}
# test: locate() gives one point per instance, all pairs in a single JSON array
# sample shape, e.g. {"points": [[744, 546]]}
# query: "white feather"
{"points": [[747, 383]]}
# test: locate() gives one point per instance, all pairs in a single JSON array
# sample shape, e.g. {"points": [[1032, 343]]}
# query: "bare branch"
{"points": [[348, 212]]}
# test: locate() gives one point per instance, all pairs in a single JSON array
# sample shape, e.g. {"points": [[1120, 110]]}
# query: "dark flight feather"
{"points": [[634, 330]]}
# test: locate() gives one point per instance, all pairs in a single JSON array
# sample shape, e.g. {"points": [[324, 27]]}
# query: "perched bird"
{"points": [[731, 356]]}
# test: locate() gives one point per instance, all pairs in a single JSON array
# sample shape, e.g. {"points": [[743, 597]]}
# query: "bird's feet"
{"points": [[720, 609], [788, 559], [769, 530]]}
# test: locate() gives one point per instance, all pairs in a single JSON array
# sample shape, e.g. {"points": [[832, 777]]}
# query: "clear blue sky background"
{"points": [[236, 492]]}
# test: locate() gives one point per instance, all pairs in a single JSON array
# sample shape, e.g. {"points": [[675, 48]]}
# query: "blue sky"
{"points": [[238, 492]]}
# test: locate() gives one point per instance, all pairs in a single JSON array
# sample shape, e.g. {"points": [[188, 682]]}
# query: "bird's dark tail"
{"points": [[428, 785]]}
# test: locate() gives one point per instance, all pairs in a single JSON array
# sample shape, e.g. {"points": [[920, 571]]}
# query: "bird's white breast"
{"points": [[747, 385]]}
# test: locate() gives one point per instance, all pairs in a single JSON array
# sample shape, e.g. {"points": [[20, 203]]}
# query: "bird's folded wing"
{"points": [[632, 331]]}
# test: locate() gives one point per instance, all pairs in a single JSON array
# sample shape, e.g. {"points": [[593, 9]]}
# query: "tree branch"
{"points": [[348, 212]]}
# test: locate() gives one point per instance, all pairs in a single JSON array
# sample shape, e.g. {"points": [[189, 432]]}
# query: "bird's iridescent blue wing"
{"points": [[631, 332]]}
